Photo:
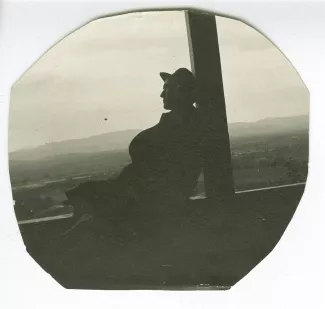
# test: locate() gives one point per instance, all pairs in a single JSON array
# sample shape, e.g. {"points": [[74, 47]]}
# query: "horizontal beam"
{"points": [[300, 184], [45, 219]]}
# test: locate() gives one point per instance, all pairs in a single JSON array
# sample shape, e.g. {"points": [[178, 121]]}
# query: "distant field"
{"points": [[39, 198], [257, 162]]}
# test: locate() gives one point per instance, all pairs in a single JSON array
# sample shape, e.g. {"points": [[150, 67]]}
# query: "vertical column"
{"points": [[206, 65]]}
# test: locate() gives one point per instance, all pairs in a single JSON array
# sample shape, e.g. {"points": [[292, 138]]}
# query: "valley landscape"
{"points": [[269, 152]]}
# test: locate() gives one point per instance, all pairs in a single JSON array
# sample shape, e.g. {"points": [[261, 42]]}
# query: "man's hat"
{"points": [[182, 77]]}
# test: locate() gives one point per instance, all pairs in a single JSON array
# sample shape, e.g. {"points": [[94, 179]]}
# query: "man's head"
{"points": [[179, 89]]}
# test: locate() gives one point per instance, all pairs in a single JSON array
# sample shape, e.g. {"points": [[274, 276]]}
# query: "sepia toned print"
{"points": [[157, 150]]}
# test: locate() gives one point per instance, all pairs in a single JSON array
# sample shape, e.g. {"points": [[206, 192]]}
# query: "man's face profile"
{"points": [[170, 94]]}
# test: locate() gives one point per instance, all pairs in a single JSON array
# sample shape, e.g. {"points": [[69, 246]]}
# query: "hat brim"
{"points": [[164, 76]]}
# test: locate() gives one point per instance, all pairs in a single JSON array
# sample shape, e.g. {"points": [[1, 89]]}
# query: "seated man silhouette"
{"points": [[165, 159]]}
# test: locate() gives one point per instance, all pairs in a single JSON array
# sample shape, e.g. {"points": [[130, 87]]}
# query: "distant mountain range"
{"points": [[93, 144], [120, 140], [270, 126]]}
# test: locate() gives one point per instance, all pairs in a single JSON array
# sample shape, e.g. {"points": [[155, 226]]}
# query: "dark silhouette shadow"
{"points": [[165, 166]]}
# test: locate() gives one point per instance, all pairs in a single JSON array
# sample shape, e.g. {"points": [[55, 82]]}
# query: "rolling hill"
{"points": [[120, 140], [99, 143]]}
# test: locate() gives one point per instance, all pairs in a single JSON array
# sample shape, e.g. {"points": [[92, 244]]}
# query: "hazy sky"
{"points": [[110, 69]]}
